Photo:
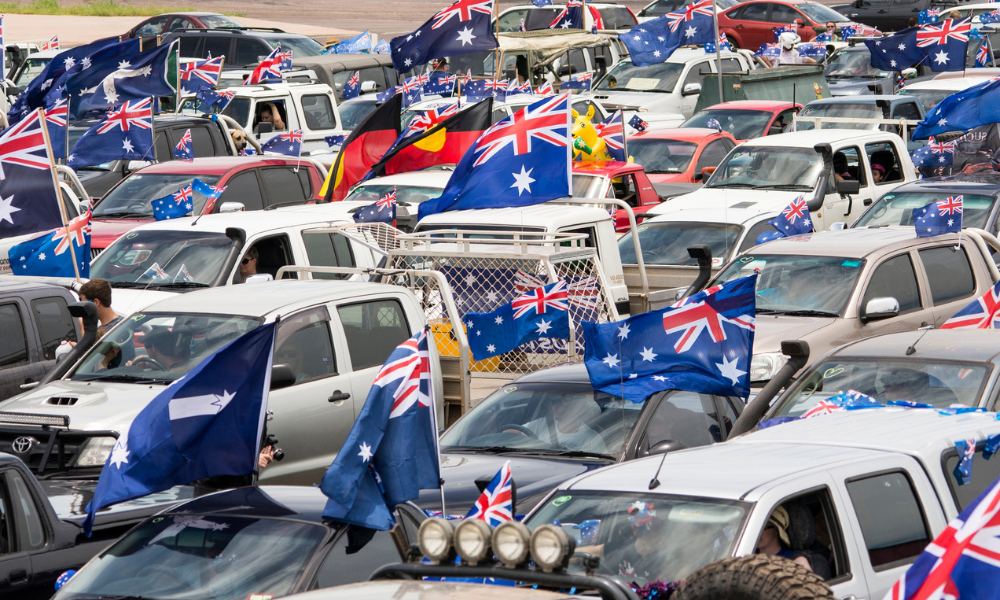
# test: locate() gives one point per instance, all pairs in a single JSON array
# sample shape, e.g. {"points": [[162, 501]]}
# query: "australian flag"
{"points": [[966, 453], [175, 205], [391, 451], [495, 504], [288, 143], [463, 27], [206, 424], [335, 140], [612, 131], [353, 86], [651, 42], [540, 313], [964, 110], [522, 160], [358, 43], [146, 74], [982, 313], [209, 191], [895, 52], [928, 16], [939, 217], [701, 344], [200, 74], [28, 200], [269, 69], [126, 133], [184, 150], [934, 154], [571, 16], [794, 220], [55, 120], [578, 82], [768, 51], [812, 50], [49, 255], [991, 17], [983, 54], [441, 86], [637, 123], [214, 101], [383, 211]]}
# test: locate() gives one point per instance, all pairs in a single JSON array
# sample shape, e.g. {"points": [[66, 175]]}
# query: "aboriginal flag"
{"points": [[363, 148], [444, 143]]}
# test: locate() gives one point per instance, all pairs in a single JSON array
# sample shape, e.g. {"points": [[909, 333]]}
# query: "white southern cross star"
{"points": [[47, 84], [470, 280], [491, 297], [648, 355], [636, 38], [892, 63], [661, 38], [69, 62], [623, 332], [127, 146], [42, 255], [656, 54], [543, 326], [611, 360], [468, 324], [942, 121], [409, 37], [119, 454], [659, 378], [465, 36], [85, 62], [565, 25], [728, 370], [633, 375], [499, 320], [407, 62], [366, 452], [7, 209], [491, 348], [523, 180], [690, 32], [902, 46], [941, 57]]}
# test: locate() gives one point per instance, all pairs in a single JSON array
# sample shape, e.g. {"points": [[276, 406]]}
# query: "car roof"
{"points": [[808, 139], [191, 13], [564, 373], [215, 165], [764, 105], [688, 134], [986, 183], [867, 99], [44, 54], [853, 243], [956, 84], [161, 120], [301, 503], [348, 61], [736, 216], [256, 221], [263, 299], [432, 177], [935, 344], [551, 215], [14, 285]]}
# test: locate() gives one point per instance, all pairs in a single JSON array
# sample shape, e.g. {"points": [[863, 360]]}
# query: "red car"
{"points": [[625, 181], [746, 119], [679, 155], [161, 24], [750, 24], [252, 183]]}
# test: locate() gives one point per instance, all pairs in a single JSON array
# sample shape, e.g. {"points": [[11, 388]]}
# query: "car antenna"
{"points": [[913, 347], [655, 481]]}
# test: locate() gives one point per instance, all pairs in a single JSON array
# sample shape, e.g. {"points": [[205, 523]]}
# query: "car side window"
{"points": [[13, 342], [781, 13], [162, 148], [54, 324], [682, 417], [697, 73], [625, 189], [511, 20], [755, 12], [179, 24], [711, 156], [30, 534], [755, 230], [328, 249], [357, 550], [814, 532], [891, 520], [249, 52], [373, 330], [243, 188], [201, 141], [577, 61], [272, 253], [731, 65], [318, 112], [499, 114], [305, 181], [6, 521], [906, 110], [153, 26], [217, 45], [303, 343], [282, 186], [896, 278], [949, 274], [851, 165], [884, 154]]}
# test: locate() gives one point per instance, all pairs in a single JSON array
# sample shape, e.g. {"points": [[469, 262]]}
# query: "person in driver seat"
{"points": [[566, 425], [163, 346]]}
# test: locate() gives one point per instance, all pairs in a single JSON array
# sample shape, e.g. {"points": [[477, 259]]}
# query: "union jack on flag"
{"points": [[355, 79], [495, 84], [430, 119], [983, 54], [941, 147], [292, 136], [613, 131], [206, 70], [135, 113], [52, 44], [185, 142], [413, 372], [78, 230], [548, 122], [795, 210], [565, 11], [823, 407], [387, 201], [980, 314], [463, 9], [57, 114], [545, 89], [691, 319], [698, 8], [23, 144], [540, 301], [495, 504], [933, 35], [155, 272], [269, 69], [525, 282], [409, 85], [183, 195], [950, 206]]}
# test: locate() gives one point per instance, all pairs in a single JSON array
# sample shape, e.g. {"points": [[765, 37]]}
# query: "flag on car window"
{"points": [[570, 17], [578, 82], [214, 101], [654, 41], [412, 89], [540, 313], [284, 59], [201, 74], [991, 17], [637, 123], [441, 84], [701, 344], [288, 143], [983, 54], [812, 50], [939, 217], [463, 27], [184, 150], [50, 255], [335, 140], [125, 133], [383, 211], [175, 205], [111, 82], [353, 86], [208, 423], [209, 191], [29, 200], [982, 313], [794, 219], [928, 16], [523, 159], [496, 504], [966, 450], [391, 452]]}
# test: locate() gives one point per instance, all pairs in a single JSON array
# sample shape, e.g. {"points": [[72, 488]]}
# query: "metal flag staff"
{"points": [[58, 188]]}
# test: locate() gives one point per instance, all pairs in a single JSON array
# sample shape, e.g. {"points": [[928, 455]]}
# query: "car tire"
{"points": [[733, 43], [754, 577]]}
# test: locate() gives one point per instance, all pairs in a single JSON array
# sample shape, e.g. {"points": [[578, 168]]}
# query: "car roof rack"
{"points": [[239, 29]]}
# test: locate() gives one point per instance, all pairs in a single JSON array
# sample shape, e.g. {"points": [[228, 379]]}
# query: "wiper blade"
{"points": [[128, 284], [181, 284], [572, 453], [124, 215], [128, 379], [484, 449], [786, 186], [797, 312]]}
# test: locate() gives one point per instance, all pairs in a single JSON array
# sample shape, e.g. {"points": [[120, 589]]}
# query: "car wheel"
{"points": [[754, 577], [735, 46]]}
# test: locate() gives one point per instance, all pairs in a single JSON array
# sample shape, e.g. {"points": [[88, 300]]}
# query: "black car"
{"points": [[888, 15], [34, 320], [250, 542], [207, 136], [551, 425], [243, 47]]}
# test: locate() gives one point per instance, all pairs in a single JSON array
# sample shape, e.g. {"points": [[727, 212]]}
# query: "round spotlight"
{"points": [[510, 543], [472, 541], [551, 548], [435, 539]]}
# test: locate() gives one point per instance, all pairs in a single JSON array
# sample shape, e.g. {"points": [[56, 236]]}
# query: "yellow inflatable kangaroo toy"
{"points": [[587, 145]]}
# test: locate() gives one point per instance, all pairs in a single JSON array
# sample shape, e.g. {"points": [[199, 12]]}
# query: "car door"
{"points": [[328, 249], [950, 279], [896, 277], [312, 417], [17, 366], [21, 532], [847, 164], [755, 27], [283, 186], [711, 155], [682, 420], [696, 74], [871, 12]]}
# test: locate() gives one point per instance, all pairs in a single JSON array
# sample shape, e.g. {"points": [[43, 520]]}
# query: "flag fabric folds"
{"points": [[391, 452], [116, 80], [981, 313], [523, 159], [52, 44], [571, 16], [175, 205], [206, 424], [288, 143], [383, 211], [701, 344], [212, 99], [269, 69], [794, 219], [366, 145], [654, 41], [184, 150], [939, 46], [55, 120], [934, 154], [966, 450], [578, 82], [495, 505], [49, 255], [612, 131], [539, 313], [125, 133], [354, 45], [200, 74], [463, 27], [352, 89], [964, 110], [939, 217], [29, 200]]}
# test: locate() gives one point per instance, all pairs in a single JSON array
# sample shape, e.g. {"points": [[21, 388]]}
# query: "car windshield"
{"points": [[219, 22], [848, 110], [625, 77], [300, 46], [742, 124], [159, 347], [133, 197], [897, 209], [821, 14], [927, 98], [938, 382], [238, 109], [405, 194], [798, 286], [549, 418], [163, 258], [193, 557], [662, 156], [412, 113], [587, 186], [32, 67], [652, 537], [353, 113], [852, 62], [770, 167], [667, 243]]}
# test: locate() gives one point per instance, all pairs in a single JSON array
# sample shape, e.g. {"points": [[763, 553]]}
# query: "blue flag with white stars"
{"points": [[288, 143], [121, 78], [701, 344], [358, 43], [49, 255], [964, 110], [383, 211], [794, 219], [353, 86], [125, 133], [463, 27], [654, 41], [175, 205], [939, 217], [966, 453], [934, 154], [941, 46], [895, 52], [571, 16], [540, 313], [522, 160], [184, 150]]}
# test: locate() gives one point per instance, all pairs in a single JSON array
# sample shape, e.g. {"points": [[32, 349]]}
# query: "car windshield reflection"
{"points": [[133, 197], [898, 208], [163, 258], [768, 167]]}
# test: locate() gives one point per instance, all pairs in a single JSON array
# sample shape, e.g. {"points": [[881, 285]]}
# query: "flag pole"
{"points": [[177, 90], [496, 53], [59, 195], [718, 50], [66, 155], [437, 444]]}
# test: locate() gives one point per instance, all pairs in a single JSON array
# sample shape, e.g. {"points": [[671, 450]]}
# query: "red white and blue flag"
{"points": [[201, 74], [52, 44], [982, 313], [382, 211], [571, 16], [495, 504], [125, 133], [541, 299], [184, 150], [949, 29], [288, 143], [540, 313], [269, 69], [462, 28], [612, 131], [691, 12]]}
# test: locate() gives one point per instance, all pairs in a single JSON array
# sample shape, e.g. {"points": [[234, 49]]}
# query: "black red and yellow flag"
{"points": [[363, 148]]}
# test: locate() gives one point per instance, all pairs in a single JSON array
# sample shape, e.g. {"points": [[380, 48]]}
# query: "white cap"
{"points": [[788, 39]]}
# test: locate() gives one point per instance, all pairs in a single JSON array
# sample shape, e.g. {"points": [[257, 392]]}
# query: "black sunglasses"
{"points": [[245, 261]]}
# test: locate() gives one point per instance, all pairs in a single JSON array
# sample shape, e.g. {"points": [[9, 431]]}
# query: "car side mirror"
{"points": [[798, 22], [281, 376], [135, 165], [664, 447], [368, 87], [259, 278], [706, 172], [838, 226], [263, 128], [881, 308], [847, 187], [228, 207], [691, 89]]}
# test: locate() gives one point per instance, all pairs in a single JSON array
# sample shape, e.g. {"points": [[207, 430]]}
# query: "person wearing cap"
{"points": [[789, 55], [774, 539], [878, 173]]}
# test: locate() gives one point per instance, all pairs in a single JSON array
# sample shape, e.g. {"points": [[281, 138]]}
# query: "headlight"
{"points": [[95, 452], [510, 543], [472, 541], [766, 365], [434, 539], [551, 547]]}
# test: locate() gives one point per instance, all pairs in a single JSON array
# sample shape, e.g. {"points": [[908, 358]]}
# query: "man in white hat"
{"points": [[789, 55]]}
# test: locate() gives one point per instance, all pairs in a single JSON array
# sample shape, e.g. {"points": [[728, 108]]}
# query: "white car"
{"points": [[610, 15], [931, 91], [32, 66], [411, 189], [504, 108]]}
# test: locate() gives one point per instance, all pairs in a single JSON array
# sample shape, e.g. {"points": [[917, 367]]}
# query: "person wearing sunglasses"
{"points": [[248, 266]]}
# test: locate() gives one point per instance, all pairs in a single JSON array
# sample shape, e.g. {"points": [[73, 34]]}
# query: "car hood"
{"points": [[534, 477], [96, 405], [105, 231], [613, 100], [69, 499], [126, 301], [707, 198], [771, 330]]}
